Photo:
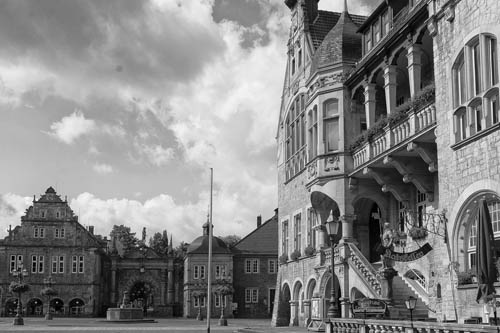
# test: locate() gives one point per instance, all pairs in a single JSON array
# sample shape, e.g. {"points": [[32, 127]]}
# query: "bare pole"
{"points": [[209, 280]]}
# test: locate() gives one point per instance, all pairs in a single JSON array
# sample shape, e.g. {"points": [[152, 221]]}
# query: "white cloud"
{"points": [[12, 207], [71, 127], [156, 154], [102, 168]]}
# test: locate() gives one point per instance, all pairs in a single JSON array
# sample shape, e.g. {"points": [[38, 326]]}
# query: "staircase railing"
{"points": [[366, 270]]}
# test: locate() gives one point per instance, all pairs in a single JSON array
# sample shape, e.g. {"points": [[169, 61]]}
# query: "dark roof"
{"points": [[324, 22], [342, 43], [263, 240], [200, 245]]}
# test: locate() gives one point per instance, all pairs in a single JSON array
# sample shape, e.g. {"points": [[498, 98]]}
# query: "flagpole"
{"points": [[209, 280]]}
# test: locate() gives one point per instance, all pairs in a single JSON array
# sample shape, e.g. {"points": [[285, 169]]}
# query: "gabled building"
{"points": [[51, 244], [255, 268], [388, 125]]}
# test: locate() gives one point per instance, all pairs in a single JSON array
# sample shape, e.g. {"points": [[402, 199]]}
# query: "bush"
{"points": [[16, 287], [417, 233], [309, 251], [295, 255], [283, 258]]}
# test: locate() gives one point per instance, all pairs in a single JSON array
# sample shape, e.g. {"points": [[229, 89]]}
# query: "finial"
{"points": [[345, 6]]}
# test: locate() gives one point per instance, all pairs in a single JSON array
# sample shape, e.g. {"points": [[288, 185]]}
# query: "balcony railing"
{"points": [[406, 121]]}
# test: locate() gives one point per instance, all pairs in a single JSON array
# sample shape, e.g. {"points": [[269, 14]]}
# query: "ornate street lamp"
{"points": [[19, 288], [332, 227], [225, 289], [410, 303]]}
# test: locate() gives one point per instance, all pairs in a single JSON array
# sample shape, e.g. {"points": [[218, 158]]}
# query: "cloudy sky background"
{"points": [[123, 106]]}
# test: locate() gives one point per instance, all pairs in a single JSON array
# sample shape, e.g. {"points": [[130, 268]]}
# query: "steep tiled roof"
{"points": [[342, 43], [263, 240], [324, 22], [200, 245]]}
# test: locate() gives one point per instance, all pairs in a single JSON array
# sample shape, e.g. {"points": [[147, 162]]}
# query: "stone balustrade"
{"points": [[338, 325], [404, 130], [365, 269]]}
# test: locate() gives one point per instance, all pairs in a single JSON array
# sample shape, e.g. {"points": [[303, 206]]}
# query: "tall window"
{"points": [[313, 133], [295, 136], [475, 87], [16, 262], [39, 232], [220, 271], [58, 264], [368, 40], [297, 232], [331, 124], [251, 266], [376, 32], [199, 272], [386, 23], [421, 205], [77, 264], [312, 222], [402, 215], [284, 237], [251, 295], [272, 266], [37, 264], [59, 233]]}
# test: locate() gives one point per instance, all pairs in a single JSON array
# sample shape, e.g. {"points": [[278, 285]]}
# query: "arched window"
{"points": [[474, 73], [468, 233], [331, 124], [295, 133]]}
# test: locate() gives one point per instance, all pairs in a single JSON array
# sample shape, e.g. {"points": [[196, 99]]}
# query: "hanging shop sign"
{"points": [[408, 256]]}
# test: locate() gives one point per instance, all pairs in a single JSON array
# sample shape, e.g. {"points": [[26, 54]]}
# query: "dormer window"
{"points": [[42, 214]]}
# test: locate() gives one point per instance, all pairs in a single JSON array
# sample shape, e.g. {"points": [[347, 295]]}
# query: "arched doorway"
{"points": [[298, 297], [34, 307], [284, 306], [368, 229], [76, 306], [57, 306], [141, 295], [11, 307]]}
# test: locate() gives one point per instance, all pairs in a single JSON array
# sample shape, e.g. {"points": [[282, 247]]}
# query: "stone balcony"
{"points": [[413, 126]]}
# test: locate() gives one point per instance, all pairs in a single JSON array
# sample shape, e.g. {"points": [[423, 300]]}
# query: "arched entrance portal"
{"points": [[57, 306], [76, 306], [34, 307], [368, 228], [141, 295]]}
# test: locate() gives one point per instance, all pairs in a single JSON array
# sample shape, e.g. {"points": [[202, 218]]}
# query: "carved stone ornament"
{"points": [[312, 171], [432, 27], [449, 13], [295, 87], [332, 163]]}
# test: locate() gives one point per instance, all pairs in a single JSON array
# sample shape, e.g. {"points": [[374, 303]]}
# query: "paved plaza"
{"points": [[160, 325]]}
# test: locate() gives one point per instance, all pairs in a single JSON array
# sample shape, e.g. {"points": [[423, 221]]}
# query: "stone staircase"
{"points": [[402, 289], [401, 292]]}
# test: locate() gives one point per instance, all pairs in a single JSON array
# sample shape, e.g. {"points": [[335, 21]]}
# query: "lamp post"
{"points": [[224, 291], [20, 273], [49, 292], [332, 227], [410, 303]]}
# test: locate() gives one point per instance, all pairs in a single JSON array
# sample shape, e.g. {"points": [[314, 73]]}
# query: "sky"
{"points": [[124, 106]]}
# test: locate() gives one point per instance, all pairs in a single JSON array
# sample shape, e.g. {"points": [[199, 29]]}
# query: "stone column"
{"points": [[163, 282], [370, 104], [307, 310], [386, 275], [170, 283], [414, 68], [345, 307], [294, 320], [390, 83], [113, 283], [347, 223]]}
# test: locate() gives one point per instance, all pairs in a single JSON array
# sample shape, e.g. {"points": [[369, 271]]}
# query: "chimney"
{"points": [[91, 229], [312, 9], [259, 221]]}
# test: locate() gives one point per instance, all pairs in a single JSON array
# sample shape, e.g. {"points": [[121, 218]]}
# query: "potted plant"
{"points": [[309, 251], [466, 277], [295, 255], [283, 258], [417, 233]]}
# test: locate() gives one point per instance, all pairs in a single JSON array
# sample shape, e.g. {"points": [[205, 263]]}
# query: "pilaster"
{"points": [[414, 68], [370, 104], [390, 83]]}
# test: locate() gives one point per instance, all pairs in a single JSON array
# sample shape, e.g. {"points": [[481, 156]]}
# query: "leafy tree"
{"points": [[181, 250], [126, 240], [230, 240], [159, 242]]}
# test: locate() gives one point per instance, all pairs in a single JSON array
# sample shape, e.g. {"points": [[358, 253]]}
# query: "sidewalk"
{"points": [[183, 325]]}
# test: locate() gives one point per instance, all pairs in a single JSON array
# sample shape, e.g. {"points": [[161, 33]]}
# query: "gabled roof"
{"points": [[263, 240]]}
